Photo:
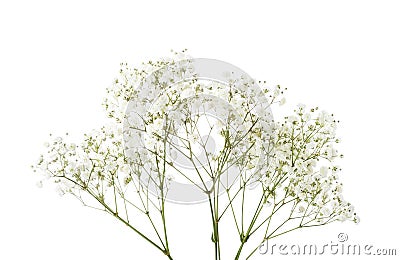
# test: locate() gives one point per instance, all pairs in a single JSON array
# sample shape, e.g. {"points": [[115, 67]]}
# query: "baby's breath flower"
{"points": [[293, 159], [324, 171], [39, 184], [356, 219]]}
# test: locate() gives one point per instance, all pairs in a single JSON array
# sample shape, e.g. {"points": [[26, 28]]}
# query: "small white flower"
{"points": [[356, 219], [176, 116], [301, 106], [186, 93], [351, 209], [241, 129], [325, 211], [39, 184], [197, 104], [323, 171], [120, 161], [125, 169], [173, 154], [302, 195], [71, 147]]}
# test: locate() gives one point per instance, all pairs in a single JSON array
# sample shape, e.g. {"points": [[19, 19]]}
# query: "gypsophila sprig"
{"points": [[173, 127]]}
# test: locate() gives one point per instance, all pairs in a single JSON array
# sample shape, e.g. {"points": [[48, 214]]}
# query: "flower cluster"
{"points": [[162, 111], [94, 165], [304, 165], [168, 121]]}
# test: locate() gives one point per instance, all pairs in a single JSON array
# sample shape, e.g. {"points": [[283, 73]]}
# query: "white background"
{"points": [[56, 59]]}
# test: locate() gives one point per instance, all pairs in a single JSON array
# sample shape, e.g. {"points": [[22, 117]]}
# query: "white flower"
{"points": [[323, 171], [71, 147], [120, 161], [350, 210], [339, 188], [292, 119], [187, 92], [196, 104], [176, 116], [292, 158], [334, 204], [301, 106], [302, 195], [325, 211], [70, 169], [277, 91], [125, 169], [173, 154], [241, 129], [96, 156]]}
